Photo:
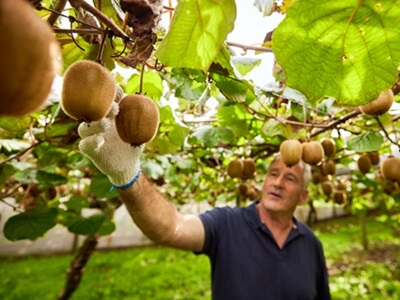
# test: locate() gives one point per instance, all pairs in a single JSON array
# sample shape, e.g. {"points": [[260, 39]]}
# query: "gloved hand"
{"points": [[112, 156]]}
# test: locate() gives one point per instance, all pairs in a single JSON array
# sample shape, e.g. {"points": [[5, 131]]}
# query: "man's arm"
{"points": [[159, 220]]}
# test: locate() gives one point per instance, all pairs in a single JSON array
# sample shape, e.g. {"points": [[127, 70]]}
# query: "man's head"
{"points": [[285, 187]]}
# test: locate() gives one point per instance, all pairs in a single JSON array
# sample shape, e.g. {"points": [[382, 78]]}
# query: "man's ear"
{"points": [[303, 198]]}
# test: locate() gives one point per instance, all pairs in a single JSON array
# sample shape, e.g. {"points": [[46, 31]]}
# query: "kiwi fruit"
{"points": [[316, 177], [243, 188], [138, 119], [327, 187], [312, 152], [329, 167], [235, 168], [30, 59], [364, 164], [390, 168], [88, 91], [341, 186], [249, 168], [374, 157], [290, 152], [329, 146], [380, 105], [339, 197]]}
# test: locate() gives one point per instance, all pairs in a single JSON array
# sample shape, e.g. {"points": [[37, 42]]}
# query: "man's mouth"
{"points": [[275, 195]]}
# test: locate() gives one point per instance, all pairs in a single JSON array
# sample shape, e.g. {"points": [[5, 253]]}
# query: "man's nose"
{"points": [[278, 182]]}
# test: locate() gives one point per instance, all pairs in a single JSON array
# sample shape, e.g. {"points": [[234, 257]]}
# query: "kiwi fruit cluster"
{"points": [[380, 105], [310, 152], [88, 91], [243, 168], [30, 59], [248, 191], [138, 119]]}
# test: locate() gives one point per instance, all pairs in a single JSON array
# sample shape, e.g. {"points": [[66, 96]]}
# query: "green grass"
{"points": [[162, 273]]}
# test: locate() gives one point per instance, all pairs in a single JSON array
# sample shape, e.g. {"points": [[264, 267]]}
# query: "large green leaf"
{"points": [[31, 224], [197, 32], [346, 49], [48, 179], [211, 136], [370, 141], [85, 225]]}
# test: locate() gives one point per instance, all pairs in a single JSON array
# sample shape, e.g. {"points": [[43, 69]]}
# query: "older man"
{"points": [[257, 252]]}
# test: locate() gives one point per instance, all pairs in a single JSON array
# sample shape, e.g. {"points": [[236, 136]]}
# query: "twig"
{"points": [[54, 15], [102, 17], [385, 132]]}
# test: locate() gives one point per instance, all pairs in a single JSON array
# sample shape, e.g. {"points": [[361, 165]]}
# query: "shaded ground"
{"points": [[382, 253]]}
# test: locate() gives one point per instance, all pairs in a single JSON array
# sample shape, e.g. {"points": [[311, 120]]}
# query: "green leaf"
{"points": [[198, 30], [233, 89], [76, 203], [234, 117], [85, 225], [273, 128], [188, 83], [100, 186], [152, 168], [346, 49], [245, 64], [50, 179], [31, 224], [151, 85], [211, 136], [6, 171], [12, 145], [370, 141], [107, 227]]}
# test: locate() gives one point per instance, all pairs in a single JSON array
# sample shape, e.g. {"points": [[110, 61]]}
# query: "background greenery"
{"points": [[163, 273]]}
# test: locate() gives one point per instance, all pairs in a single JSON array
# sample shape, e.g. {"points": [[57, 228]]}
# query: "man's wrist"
{"points": [[129, 184]]}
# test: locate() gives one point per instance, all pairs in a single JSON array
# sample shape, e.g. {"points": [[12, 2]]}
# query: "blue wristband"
{"points": [[130, 183]]}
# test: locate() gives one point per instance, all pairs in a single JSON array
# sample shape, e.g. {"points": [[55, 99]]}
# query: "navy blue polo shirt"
{"points": [[247, 264]]}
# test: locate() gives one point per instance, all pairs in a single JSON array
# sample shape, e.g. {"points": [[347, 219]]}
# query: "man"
{"points": [[257, 252]]}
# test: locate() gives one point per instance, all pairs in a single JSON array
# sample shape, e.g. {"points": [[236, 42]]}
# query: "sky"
{"points": [[250, 29]]}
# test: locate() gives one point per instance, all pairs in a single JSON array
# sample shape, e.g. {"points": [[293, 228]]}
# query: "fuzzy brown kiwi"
{"points": [[329, 146], [243, 188], [339, 197], [235, 168], [341, 186], [364, 164], [374, 157], [88, 91], [249, 168], [30, 59], [290, 152], [327, 187], [329, 167], [390, 168], [380, 105], [312, 152], [316, 176], [138, 119]]}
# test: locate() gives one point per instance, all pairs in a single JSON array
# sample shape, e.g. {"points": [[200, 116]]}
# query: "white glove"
{"points": [[112, 156]]}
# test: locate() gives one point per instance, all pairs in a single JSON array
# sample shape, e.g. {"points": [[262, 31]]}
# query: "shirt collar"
{"points": [[254, 219]]}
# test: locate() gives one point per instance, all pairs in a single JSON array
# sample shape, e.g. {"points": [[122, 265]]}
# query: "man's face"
{"points": [[283, 188]]}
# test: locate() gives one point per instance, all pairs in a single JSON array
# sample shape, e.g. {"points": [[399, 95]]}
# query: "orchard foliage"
{"points": [[331, 57]]}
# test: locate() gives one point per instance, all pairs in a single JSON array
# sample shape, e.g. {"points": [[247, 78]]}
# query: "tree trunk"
{"points": [[312, 215], [77, 267], [363, 229]]}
